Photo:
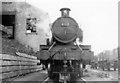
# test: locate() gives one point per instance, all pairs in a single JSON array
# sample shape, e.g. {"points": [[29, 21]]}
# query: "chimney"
{"points": [[65, 12]]}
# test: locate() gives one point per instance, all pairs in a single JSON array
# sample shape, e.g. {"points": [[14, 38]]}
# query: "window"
{"points": [[8, 25], [31, 25]]}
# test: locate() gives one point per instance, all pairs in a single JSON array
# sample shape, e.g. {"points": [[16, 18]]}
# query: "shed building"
{"points": [[25, 23]]}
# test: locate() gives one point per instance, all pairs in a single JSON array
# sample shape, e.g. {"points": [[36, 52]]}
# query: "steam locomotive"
{"points": [[62, 56]]}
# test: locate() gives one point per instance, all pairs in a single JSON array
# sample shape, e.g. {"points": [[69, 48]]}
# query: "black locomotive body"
{"points": [[62, 56]]}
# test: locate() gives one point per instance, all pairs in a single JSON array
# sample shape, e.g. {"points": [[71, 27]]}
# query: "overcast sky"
{"points": [[98, 19]]}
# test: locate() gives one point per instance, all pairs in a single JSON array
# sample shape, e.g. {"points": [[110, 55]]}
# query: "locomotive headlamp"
{"points": [[65, 12]]}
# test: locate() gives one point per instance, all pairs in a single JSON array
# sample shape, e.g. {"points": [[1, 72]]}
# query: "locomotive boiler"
{"points": [[62, 56]]}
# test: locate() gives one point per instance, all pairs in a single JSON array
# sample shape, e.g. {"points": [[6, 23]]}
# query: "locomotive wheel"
{"points": [[50, 74], [53, 76], [103, 69], [108, 69], [81, 73], [73, 76], [84, 66], [114, 69], [56, 76], [43, 67]]}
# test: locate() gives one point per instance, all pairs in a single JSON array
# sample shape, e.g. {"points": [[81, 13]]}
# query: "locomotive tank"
{"points": [[63, 55], [65, 28]]}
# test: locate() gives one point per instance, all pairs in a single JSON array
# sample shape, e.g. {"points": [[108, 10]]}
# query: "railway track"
{"points": [[48, 80]]}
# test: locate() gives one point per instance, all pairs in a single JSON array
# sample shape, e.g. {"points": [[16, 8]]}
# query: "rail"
{"points": [[79, 80]]}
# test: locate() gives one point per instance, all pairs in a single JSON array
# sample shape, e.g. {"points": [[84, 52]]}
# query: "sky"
{"points": [[97, 18]]}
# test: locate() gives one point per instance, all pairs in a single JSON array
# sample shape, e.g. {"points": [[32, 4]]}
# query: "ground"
{"points": [[90, 75], [100, 75], [36, 76]]}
